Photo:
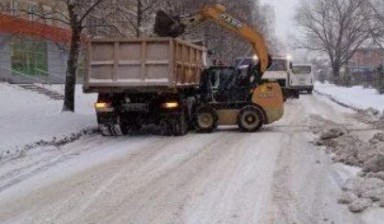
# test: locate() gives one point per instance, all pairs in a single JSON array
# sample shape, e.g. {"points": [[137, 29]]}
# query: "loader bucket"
{"points": [[168, 26]]}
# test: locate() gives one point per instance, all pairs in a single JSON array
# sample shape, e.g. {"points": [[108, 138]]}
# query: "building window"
{"points": [[29, 56]]}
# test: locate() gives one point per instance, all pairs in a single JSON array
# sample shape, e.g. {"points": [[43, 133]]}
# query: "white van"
{"points": [[302, 78]]}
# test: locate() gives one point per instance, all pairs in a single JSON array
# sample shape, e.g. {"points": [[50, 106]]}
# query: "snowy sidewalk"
{"points": [[356, 97], [27, 117]]}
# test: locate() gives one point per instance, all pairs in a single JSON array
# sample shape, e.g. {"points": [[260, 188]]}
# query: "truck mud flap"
{"points": [[290, 93], [110, 130]]}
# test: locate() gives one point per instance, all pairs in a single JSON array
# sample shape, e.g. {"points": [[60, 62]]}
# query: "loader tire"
{"points": [[205, 119], [250, 119]]}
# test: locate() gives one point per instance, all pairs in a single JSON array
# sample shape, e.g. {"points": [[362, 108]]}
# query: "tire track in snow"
{"points": [[152, 186], [34, 167], [48, 202], [143, 155]]}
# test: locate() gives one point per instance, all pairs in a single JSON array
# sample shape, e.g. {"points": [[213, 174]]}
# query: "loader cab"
{"points": [[226, 84]]}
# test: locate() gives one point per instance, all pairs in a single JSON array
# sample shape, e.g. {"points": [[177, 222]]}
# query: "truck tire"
{"points": [[116, 130], [297, 94], [205, 119], [179, 124], [114, 127], [123, 126], [175, 124], [105, 130], [250, 119], [165, 128]]}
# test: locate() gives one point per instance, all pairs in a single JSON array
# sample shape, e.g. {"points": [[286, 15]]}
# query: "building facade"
{"points": [[32, 49], [364, 63]]}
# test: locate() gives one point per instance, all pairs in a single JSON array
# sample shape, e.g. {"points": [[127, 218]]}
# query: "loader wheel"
{"points": [[250, 119], [206, 119]]}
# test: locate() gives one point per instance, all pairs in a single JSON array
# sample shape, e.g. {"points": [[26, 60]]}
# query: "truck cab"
{"points": [[279, 72], [302, 78]]}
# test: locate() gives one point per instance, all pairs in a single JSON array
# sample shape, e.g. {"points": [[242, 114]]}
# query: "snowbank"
{"points": [[357, 97], [27, 117], [367, 189]]}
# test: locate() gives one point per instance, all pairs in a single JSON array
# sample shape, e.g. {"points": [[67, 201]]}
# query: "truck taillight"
{"points": [[170, 105], [103, 107]]}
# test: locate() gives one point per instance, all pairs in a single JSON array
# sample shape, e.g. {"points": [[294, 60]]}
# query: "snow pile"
{"points": [[28, 117], [361, 192], [356, 97], [346, 148], [372, 116], [55, 141], [360, 205], [367, 189]]}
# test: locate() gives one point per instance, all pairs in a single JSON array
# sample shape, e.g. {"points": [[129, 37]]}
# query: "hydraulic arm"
{"points": [[175, 26]]}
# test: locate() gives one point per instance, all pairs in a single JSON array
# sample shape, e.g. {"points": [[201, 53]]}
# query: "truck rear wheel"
{"points": [[111, 125], [175, 124], [179, 125], [105, 130], [250, 119], [206, 119]]}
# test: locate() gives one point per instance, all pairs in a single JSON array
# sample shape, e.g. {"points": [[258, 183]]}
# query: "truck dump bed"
{"points": [[140, 64]]}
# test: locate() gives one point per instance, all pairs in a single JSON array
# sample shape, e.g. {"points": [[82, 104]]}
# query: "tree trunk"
{"points": [[336, 72], [70, 79], [139, 18]]}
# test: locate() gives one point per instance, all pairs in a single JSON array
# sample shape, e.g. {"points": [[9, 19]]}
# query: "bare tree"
{"points": [[135, 17], [377, 27], [72, 13], [336, 27], [78, 10]]}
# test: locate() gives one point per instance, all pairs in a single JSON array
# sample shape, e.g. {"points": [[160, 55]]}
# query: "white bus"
{"points": [[302, 78]]}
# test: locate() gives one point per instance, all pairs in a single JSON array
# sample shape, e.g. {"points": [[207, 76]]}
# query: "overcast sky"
{"points": [[284, 10]]}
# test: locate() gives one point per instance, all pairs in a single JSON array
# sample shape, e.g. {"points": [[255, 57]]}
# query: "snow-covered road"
{"points": [[274, 176]]}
